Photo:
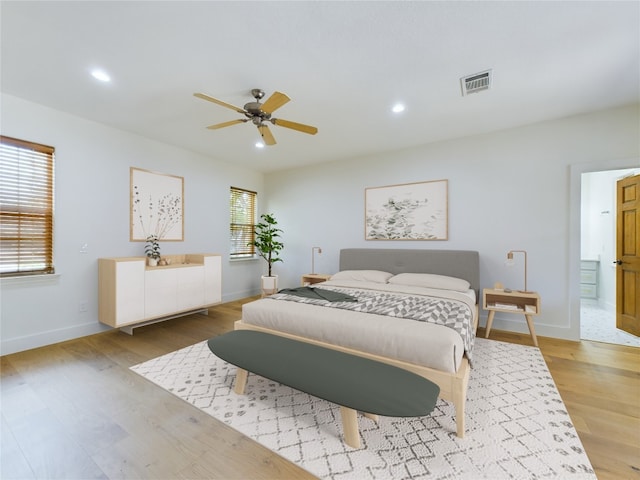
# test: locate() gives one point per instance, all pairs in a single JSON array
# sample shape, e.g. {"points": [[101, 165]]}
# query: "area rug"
{"points": [[517, 425]]}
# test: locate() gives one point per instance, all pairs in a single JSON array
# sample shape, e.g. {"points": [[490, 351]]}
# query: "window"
{"points": [[243, 215], [26, 208]]}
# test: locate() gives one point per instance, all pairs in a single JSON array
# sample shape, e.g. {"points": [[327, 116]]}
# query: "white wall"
{"points": [[512, 189], [92, 207], [518, 188]]}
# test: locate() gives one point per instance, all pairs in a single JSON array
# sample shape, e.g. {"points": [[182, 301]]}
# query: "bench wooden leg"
{"points": [[241, 381], [372, 416], [350, 427]]}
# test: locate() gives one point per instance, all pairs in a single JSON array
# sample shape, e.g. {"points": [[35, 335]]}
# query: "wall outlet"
{"points": [[83, 307], [84, 248]]}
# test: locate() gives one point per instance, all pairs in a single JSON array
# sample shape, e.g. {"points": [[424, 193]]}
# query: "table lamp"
{"points": [[313, 252], [510, 263]]}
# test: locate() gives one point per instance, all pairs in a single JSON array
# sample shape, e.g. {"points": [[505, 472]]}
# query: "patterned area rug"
{"points": [[517, 424]]}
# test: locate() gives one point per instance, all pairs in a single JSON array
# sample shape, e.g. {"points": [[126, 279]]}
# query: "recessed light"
{"points": [[398, 107], [100, 75], [259, 145]]}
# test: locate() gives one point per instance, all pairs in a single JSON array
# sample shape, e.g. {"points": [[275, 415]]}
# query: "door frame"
{"points": [[575, 198]]}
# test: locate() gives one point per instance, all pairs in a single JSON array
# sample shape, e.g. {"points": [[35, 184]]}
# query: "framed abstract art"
{"points": [[156, 206], [410, 211]]}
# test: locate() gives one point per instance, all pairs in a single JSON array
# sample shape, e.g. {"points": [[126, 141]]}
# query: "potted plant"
{"points": [[268, 246], [152, 250]]}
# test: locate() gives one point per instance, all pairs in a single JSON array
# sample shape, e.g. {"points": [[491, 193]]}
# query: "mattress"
{"points": [[419, 342]]}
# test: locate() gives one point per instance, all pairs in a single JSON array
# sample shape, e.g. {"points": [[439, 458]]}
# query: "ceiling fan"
{"points": [[260, 114]]}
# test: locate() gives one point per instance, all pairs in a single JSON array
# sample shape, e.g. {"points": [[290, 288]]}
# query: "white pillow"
{"points": [[375, 276], [431, 280]]}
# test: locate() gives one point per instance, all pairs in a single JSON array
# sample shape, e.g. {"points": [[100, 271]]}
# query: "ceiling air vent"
{"points": [[476, 82]]}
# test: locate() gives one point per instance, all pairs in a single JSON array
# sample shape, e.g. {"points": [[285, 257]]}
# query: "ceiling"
{"points": [[344, 64]]}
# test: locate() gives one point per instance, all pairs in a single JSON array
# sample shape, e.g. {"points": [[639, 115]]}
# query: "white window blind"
{"points": [[243, 214], [26, 207]]}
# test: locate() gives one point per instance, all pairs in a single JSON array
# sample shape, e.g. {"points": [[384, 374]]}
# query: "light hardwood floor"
{"points": [[74, 410]]}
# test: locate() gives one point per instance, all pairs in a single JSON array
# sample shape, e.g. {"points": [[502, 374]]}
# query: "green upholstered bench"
{"points": [[355, 383]]}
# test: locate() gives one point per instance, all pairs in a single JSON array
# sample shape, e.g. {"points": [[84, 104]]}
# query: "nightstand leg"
{"points": [[489, 322], [532, 330]]}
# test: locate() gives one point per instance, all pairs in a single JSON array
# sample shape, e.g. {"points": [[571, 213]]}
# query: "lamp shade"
{"points": [[511, 262], [313, 252]]}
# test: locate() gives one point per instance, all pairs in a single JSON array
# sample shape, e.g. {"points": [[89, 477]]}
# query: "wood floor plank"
{"points": [[13, 463], [98, 419], [50, 451], [621, 466]]}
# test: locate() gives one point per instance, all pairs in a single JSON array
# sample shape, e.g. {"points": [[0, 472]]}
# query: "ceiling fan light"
{"points": [[100, 75]]}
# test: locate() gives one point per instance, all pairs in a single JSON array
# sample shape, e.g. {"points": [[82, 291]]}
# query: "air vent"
{"points": [[476, 82]]}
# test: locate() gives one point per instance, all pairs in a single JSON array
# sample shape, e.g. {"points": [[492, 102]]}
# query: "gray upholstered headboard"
{"points": [[454, 263]]}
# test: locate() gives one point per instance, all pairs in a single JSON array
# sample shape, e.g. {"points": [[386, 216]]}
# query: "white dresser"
{"points": [[133, 294]]}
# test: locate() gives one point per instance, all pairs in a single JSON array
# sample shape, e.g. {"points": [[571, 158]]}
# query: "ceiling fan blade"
{"points": [[219, 102], [266, 135], [275, 101], [227, 124], [295, 126]]}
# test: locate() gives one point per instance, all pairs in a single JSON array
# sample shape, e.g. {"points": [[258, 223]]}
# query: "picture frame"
{"points": [[156, 206], [409, 211]]}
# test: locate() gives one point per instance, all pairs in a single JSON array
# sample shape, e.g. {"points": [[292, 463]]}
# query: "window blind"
{"points": [[26, 207], [243, 214]]}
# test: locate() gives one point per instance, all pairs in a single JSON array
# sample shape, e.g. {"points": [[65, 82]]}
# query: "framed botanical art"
{"points": [[156, 206], [410, 211]]}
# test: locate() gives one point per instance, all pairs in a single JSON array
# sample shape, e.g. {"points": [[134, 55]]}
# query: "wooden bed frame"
{"points": [[456, 263]]}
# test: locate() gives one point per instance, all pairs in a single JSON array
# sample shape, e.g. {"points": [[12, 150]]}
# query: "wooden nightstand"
{"points": [[311, 278], [527, 304]]}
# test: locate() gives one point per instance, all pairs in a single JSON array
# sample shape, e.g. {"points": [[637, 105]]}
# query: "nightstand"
{"points": [[311, 278], [527, 304]]}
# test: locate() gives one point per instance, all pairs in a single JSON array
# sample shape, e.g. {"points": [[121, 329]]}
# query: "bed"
{"points": [[416, 309]]}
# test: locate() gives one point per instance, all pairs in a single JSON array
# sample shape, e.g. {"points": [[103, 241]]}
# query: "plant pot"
{"points": [[152, 262], [269, 285]]}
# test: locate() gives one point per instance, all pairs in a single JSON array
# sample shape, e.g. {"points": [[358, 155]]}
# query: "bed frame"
{"points": [[455, 263]]}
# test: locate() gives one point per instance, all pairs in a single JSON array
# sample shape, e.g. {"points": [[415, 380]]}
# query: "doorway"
{"points": [[597, 256]]}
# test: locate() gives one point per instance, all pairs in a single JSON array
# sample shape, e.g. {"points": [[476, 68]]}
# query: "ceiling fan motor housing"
{"points": [[254, 110]]}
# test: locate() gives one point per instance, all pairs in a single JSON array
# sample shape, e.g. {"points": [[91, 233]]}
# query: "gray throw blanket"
{"points": [[319, 294]]}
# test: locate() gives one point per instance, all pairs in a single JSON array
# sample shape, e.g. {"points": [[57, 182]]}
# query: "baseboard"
{"points": [[518, 324], [232, 297], [28, 342]]}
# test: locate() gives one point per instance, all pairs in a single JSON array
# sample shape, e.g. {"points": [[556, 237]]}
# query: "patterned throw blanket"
{"points": [[451, 313]]}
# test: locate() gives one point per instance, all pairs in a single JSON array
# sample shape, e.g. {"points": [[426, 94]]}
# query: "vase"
{"points": [[269, 285]]}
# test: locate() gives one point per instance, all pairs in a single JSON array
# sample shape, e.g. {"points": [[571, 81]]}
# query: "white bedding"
{"points": [[418, 342]]}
